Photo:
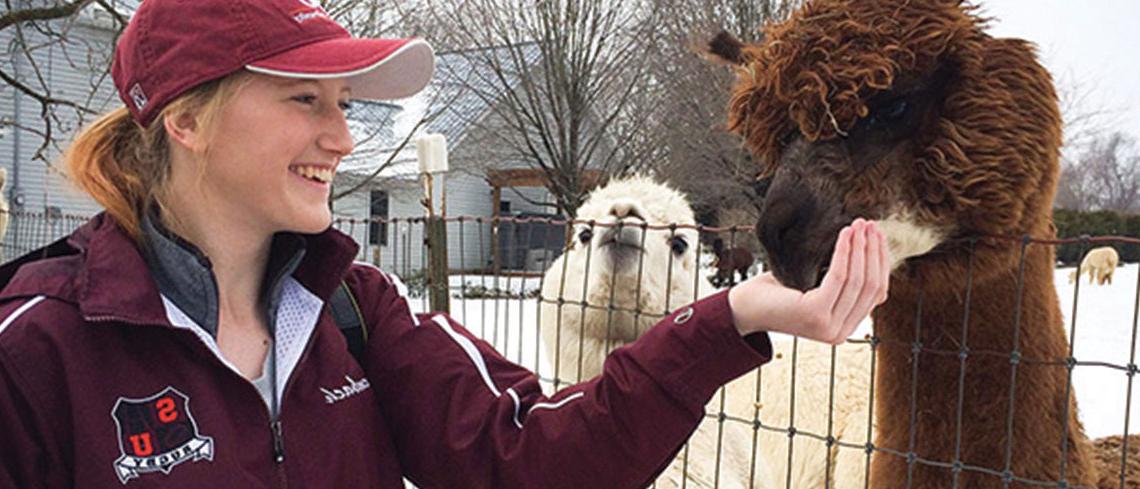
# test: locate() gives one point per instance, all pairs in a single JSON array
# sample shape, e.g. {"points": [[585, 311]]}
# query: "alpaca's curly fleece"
{"points": [[985, 163]]}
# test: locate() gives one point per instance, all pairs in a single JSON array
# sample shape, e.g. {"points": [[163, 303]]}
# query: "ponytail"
{"points": [[125, 166], [113, 159]]}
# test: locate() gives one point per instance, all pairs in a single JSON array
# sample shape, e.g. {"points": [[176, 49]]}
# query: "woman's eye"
{"points": [[305, 99], [585, 236], [345, 105]]}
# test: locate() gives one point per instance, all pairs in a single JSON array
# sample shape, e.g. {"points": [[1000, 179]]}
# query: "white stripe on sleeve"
{"points": [[471, 350], [20, 311]]}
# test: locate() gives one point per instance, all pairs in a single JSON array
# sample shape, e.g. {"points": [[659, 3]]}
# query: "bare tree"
{"points": [[561, 78], [702, 159], [1106, 176], [43, 33]]}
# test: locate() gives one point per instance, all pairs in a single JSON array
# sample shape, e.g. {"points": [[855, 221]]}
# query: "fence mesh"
{"points": [[547, 297]]}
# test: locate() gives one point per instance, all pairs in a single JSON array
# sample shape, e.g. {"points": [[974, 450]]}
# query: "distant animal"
{"points": [[1099, 263], [911, 113], [629, 276], [729, 262]]}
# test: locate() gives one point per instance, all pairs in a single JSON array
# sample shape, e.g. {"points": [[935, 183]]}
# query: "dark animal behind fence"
{"points": [[729, 262]]}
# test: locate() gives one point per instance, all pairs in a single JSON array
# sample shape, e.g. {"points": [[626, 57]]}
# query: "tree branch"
{"points": [[44, 13]]}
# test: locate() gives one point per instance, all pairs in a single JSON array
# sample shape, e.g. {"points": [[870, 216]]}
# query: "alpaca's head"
{"points": [[903, 111], [620, 246]]}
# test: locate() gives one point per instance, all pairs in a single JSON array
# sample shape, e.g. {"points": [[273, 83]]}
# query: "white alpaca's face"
{"points": [[621, 245]]}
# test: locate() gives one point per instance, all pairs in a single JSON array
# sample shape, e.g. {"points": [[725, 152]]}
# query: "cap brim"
{"points": [[377, 69]]}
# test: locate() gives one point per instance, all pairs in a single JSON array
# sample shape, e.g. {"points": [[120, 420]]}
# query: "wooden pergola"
{"points": [[521, 177]]}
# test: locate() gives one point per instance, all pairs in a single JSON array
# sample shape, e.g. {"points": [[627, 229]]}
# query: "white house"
{"points": [[463, 115], [74, 68]]}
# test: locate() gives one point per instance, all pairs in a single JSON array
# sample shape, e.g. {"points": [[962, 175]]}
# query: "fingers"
{"points": [[836, 276], [868, 294], [856, 268]]}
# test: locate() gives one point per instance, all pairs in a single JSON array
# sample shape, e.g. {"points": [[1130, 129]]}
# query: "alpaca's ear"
{"points": [[725, 48]]}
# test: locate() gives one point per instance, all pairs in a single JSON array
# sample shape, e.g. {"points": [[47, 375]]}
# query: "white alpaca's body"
{"points": [[659, 280], [1099, 263]]}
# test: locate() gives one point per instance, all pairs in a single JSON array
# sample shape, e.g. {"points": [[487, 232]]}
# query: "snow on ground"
{"points": [[1104, 333]]}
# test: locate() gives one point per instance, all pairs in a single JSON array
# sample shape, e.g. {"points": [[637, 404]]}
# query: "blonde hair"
{"points": [[125, 166]]}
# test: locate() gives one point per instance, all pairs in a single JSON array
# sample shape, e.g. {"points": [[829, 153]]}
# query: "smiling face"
{"points": [[269, 158]]}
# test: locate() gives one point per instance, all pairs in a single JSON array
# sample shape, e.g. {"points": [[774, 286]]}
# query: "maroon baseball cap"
{"points": [[171, 46]]}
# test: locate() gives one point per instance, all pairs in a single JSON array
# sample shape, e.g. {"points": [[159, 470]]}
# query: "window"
{"points": [[378, 209], [504, 207]]}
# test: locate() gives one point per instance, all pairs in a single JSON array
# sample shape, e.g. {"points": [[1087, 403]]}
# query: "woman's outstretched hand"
{"points": [[856, 283]]}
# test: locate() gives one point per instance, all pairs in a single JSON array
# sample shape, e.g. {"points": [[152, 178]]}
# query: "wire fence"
{"points": [[556, 296]]}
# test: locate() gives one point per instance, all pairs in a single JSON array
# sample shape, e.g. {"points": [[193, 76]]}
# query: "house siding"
{"points": [[36, 186]]}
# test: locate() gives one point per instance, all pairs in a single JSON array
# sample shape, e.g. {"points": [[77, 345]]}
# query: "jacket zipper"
{"points": [[278, 442]]}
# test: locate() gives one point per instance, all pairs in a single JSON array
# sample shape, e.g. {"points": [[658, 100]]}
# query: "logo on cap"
{"points": [[156, 434], [138, 96], [312, 11]]}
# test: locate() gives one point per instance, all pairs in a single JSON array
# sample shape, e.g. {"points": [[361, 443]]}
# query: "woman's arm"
{"points": [[464, 416]]}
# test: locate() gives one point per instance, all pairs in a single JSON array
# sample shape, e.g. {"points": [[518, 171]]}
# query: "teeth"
{"points": [[323, 175]]}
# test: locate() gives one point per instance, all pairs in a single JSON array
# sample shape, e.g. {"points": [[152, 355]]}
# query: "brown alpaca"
{"points": [[907, 112], [729, 262]]}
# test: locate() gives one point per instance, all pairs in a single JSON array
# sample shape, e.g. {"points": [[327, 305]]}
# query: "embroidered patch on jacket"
{"points": [[156, 434]]}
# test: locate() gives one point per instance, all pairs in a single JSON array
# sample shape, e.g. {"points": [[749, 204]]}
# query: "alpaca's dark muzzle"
{"points": [[798, 230]]}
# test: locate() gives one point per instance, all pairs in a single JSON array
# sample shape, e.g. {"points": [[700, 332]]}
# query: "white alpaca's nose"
{"points": [[626, 208]]}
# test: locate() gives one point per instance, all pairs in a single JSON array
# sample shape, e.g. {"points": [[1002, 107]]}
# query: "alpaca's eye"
{"points": [[788, 138], [585, 236], [892, 111], [678, 244]]}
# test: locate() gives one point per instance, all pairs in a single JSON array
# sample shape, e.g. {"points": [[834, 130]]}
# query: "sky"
{"points": [[1092, 46]]}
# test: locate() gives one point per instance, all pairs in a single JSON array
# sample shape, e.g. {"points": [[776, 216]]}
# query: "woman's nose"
{"points": [[336, 137]]}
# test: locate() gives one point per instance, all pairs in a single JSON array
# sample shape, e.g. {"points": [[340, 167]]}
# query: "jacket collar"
{"points": [[108, 278]]}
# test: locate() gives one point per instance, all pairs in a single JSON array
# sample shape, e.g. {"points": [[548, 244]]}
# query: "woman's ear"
{"points": [[182, 129]]}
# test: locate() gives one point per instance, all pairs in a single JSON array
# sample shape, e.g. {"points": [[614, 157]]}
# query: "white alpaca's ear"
{"points": [[3, 178]]}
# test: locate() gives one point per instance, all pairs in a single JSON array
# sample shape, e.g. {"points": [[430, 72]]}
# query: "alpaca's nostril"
{"points": [[623, 210]]}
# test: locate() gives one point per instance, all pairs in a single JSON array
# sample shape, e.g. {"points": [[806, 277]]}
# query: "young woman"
{"points": [[181, 338]]}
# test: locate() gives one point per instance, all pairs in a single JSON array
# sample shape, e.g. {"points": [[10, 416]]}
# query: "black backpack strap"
{"points": [[60, 247], [346, 313]]}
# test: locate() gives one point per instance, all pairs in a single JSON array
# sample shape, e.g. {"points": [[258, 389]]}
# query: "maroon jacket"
{"points": [[102, 385]]}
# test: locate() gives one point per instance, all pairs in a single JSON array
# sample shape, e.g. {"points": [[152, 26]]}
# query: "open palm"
{"points": [[856, 282]]}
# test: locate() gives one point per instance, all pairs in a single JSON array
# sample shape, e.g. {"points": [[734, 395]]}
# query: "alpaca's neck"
{"points": [[973, 357]]}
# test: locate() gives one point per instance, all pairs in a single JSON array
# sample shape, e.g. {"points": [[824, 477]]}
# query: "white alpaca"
{"points": [[640, 285], [643, 273], [1100, 263]]}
